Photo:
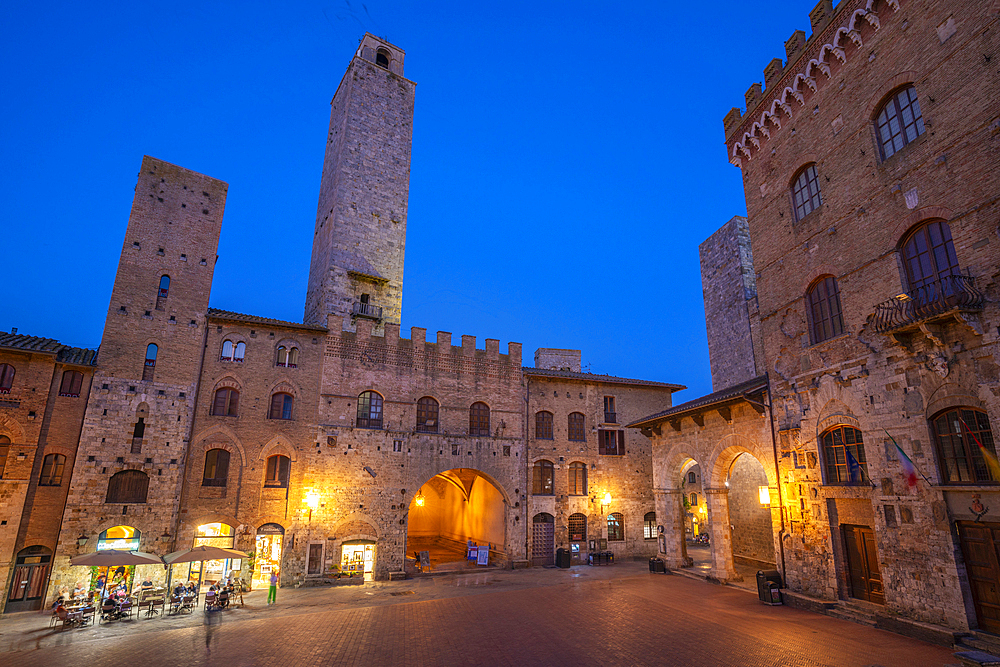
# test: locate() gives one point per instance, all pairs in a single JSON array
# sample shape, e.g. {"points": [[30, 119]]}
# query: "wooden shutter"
{"points": [[276, 405], [601, 439], [77, 383], [219, 406], [285, 464], [221, 464], [234, 402], [621, 443]]}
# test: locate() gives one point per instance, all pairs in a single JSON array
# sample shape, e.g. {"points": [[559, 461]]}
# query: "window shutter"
{"points": [[285, 465], [621, 443], [275, 412], [221, 464], [601, 439], [77, 383], [219, 406], [234, 402], [66, 383]]}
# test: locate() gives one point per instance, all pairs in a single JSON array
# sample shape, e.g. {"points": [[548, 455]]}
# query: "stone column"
{"points": [[717, 501], [670, 514]]}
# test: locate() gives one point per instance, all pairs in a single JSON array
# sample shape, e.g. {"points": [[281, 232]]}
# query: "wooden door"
{"points": [[543, 535], [28, 583], [979, 546], [862, 564]]}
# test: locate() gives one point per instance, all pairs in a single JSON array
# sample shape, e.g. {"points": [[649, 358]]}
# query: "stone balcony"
{"points": [[950, 297]]}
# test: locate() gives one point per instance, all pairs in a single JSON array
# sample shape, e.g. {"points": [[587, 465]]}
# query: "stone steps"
{"points": [[979, 641], [853, 615]]}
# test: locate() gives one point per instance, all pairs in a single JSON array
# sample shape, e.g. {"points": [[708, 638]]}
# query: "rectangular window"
{"points": [[649, 526], [277, 471], [610, 416], [611, 443], [397, 445]]}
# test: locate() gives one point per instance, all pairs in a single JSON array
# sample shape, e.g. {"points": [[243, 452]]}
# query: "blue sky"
{"points": [[568, 158]]}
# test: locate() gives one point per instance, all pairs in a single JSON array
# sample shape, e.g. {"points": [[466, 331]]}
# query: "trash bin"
{"points": [[562, 557], [768, 585], [656, 565]]}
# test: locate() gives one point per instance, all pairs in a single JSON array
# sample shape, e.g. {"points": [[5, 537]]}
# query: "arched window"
{"points": [[369, 410], [216, 468], [616, 527], [276, 474], [288, 356], [137, 435], [898, 121], [382, 58], [161, 293], [825, 318], [128, 486], [150, 364], [845, 455], [542, 478], [958, 433], [692, 478], [227, 351], [649, 526], [577, 527], [576, 431], [4, 449], [6, 378], [577, 479], [929, 259], [281, 407], [72, 384], [479, 419], [543, 425], [233, 351], [694, 500], [239, 351], [427, 415], [806, 197], [226, 403], [52, 470]]}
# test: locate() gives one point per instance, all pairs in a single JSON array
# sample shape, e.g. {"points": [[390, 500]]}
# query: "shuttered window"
{"points": [[6, 378], [278, 467], [281, 407], [611, 443], [52, 470], [226, 403], [825, 318], [216, 468], [479, 419], [72, 384], [543, 425], [128, 486], [4, 449], [957, 432], [577, 433], [577, 479], [838, 442]]}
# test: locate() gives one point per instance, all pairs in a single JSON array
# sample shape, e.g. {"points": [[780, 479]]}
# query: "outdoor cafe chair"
{"points": [[125, 610], [155, 607], [87, 615], [189, 603], [109, 612]]}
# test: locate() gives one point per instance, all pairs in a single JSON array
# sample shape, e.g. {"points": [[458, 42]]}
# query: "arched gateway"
{"points": [[453, 510]]}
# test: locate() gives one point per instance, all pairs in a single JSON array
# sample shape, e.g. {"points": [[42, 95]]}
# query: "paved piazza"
{"points": [[619, 615]]}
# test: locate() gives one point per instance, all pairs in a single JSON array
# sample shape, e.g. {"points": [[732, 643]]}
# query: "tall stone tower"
{"points": [[360, 235], [729, 288], [134, 441]]}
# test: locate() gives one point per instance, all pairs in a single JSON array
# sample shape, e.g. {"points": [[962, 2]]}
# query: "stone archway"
{"points": [[453, 509]]}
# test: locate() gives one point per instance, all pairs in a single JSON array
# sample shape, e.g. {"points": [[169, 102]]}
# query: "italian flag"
{"points": [[909, 470]]}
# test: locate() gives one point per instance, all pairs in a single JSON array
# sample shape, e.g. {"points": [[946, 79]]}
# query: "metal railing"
{"points": [[367, 310], [610, 417], [954, 292]]}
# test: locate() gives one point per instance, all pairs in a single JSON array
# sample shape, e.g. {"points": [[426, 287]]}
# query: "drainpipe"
{"points": [[777, 473], [524, 462]]}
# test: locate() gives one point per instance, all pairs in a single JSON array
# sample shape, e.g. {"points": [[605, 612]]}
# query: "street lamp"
{"points": [[606, 500], [764, 494], [312, 502], [82, 540], [419, 500]]}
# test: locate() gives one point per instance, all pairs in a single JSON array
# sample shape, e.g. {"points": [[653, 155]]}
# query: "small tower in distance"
{"points": [[360, 236]]}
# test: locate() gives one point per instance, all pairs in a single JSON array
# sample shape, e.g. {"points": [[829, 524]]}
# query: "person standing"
{"points": [[272, 591]]}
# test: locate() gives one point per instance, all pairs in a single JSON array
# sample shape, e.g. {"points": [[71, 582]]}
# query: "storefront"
{"points": [[211, 571], [358, 557], [105, 580], [267, 550]]}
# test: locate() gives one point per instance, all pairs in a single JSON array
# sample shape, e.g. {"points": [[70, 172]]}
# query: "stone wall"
{"points": [[753, 536]]}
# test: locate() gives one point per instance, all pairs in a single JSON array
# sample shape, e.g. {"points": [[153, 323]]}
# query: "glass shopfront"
{"points": [[211, 571], [267, 549], [358, 557]]}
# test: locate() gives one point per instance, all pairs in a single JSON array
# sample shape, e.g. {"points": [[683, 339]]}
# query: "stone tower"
{"points": [[729, 289], [360, 234], [133, 444]]}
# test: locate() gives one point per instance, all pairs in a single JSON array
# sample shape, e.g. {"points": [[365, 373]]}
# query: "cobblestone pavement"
{"points": [[619, 615]]}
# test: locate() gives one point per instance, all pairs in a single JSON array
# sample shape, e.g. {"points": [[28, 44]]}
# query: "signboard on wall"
{"points": [[484, 556], [121, 543], [425, 559]]}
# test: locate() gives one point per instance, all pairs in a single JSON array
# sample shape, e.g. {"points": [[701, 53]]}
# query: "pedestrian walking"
{"points": [[272, 591], [213, 617]]}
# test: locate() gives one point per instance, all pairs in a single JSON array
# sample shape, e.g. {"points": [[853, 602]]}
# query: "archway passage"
{"points": [[750, 518], [452, 510]]}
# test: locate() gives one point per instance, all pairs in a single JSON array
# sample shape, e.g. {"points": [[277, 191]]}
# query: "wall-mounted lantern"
{"points": [[764, 493]]}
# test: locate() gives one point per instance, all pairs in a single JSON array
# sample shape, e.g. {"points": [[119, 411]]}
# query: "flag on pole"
{"points": [[853, 468], [909, 470], [988, 456]]}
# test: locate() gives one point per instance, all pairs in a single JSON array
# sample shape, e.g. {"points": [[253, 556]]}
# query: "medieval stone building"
{"points": [[869, 310], [336, 445]]}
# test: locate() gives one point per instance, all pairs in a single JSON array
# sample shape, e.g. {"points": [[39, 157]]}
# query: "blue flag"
{"points": [[853, 468]]}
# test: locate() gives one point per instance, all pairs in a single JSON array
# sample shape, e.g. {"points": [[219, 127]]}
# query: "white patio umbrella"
{"points": [[114, 557], [195, 554]]}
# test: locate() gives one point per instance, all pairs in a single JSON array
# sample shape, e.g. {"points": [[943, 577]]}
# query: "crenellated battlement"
{"points": [[417, 352], [837, 34]]}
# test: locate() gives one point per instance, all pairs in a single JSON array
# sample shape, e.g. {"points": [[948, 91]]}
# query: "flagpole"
{"points": [[904, 454]]}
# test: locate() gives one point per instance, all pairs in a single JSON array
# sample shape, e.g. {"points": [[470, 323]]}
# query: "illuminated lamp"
{"points": [[764, 494], [419, 500], [312, 500]]}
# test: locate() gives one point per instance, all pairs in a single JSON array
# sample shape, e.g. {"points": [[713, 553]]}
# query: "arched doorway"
{"points": [[696, 520], [31, 574], [750, 515], [453, 510], [543, 532], [210, 571]]}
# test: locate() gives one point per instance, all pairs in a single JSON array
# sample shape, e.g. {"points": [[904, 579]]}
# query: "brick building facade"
{"points": [[335, 444], [869, 160]]}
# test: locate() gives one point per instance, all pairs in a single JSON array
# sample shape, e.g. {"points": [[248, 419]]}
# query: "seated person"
{"points": [[146, 584], [191, 589], [79, 591], [65, 615], [179, 590]]}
